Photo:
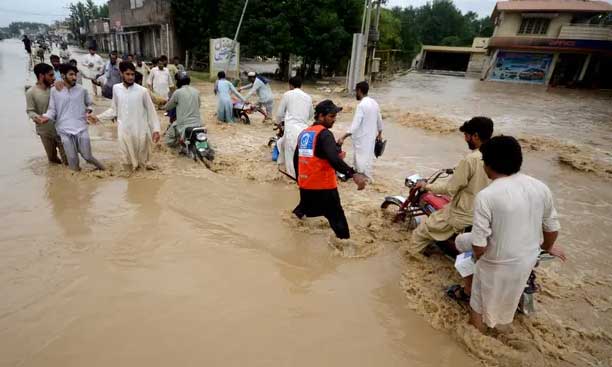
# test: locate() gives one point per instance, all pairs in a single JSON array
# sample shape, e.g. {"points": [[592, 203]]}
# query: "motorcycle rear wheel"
{"points": [[245, 119]]}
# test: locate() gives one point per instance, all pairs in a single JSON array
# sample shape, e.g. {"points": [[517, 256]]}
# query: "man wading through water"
{"points": [[316, 160], [137, 121], [37, 102], [70, 108]]}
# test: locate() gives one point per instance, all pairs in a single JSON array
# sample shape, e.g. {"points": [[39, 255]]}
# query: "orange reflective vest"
{"points": [[313, 173]]}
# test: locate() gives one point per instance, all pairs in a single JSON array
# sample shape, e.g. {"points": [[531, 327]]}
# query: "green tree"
{"points": [[14, 28], [452, 41], [320, 31], [103, 11], [409, 32], [438, 20], [280, 28], [80, 15], [196, 21], [390, 29], [485, 27]]}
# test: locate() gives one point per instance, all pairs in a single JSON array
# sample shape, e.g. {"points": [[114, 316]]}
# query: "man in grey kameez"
{"points": [[186, 100]]}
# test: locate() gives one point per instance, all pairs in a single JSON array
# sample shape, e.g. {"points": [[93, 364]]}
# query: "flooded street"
{"points": [[175, 269], [185, 266], [575, 116]]}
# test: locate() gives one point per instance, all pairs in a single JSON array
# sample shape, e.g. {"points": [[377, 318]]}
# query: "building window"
{"points": [[534, 26], [136, 4]]}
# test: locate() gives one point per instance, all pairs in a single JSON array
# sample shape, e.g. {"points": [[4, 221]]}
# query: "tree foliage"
{"points": [[14, 28], [80, 15], [390, 29], [319, 31], [439, 23], [313, 29]]}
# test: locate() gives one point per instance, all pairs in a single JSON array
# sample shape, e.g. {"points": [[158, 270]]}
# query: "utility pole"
{"points": [[229, 60], [362, 54], [374, 41], [366, 32]]}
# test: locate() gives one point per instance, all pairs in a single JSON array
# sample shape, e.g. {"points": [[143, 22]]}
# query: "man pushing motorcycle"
{"points": [[468, 179]]}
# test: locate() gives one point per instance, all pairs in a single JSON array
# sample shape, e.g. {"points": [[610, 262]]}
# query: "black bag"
{"points": [[379, 147]]}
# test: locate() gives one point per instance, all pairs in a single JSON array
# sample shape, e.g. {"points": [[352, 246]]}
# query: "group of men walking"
{"points": [[62, 109], [61, 115], [511, 214]]}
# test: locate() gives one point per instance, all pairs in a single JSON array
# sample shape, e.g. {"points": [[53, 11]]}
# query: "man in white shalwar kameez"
{"points": [[137, 121], [297, 112], [367, 126], [93, 64], [514, 218], [160, 81]]}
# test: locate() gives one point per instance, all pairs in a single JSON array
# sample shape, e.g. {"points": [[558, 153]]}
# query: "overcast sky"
{"points": [[44, 11], [482, 7]]}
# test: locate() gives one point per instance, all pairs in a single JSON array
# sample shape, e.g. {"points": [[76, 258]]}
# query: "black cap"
{"points": [[483, 126], [326, 107], [180, 75]]}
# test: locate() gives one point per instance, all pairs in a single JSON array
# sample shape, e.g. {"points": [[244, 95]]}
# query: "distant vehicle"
{"points": [[531, 74], [508, 74]]}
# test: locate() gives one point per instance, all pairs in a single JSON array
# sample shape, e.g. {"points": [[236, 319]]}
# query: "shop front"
{"points": [[558, 62]]}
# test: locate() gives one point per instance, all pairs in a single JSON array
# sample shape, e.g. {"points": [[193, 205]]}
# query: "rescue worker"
{"points": [[316, 160], [467, 180]]}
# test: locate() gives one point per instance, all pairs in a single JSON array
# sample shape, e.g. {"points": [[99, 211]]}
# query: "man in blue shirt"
{"points": [[55, 61]]}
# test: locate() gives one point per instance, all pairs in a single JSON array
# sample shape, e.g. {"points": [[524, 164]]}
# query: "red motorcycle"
{"points": [[242, 110], [421, 203], [418, 202]]}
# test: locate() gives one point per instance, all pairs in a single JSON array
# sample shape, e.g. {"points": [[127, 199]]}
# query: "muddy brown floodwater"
{"points": [[186, 266]]}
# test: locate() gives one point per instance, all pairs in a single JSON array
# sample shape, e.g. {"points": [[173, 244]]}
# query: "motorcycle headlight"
{"points": [[201, 136], [412, 180]]}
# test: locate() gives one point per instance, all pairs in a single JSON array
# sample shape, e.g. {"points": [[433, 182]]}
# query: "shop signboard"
{"points": [[220, 51], [523, 67], [548, 44]]}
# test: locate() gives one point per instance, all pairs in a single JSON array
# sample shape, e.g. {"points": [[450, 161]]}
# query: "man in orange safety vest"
{"points": [[317, 158]]}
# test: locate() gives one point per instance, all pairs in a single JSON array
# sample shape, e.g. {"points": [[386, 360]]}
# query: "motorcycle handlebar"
{"points": [[440, 174]]}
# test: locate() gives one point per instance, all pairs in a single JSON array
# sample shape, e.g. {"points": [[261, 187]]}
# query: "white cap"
{"points": [[251, 73]]}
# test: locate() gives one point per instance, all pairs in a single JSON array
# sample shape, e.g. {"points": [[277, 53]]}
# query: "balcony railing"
{"points": [[586, 32]]}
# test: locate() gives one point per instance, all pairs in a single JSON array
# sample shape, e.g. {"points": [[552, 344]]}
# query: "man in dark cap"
{"points": [[27, 44], [316, 160], [467, 180]]}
